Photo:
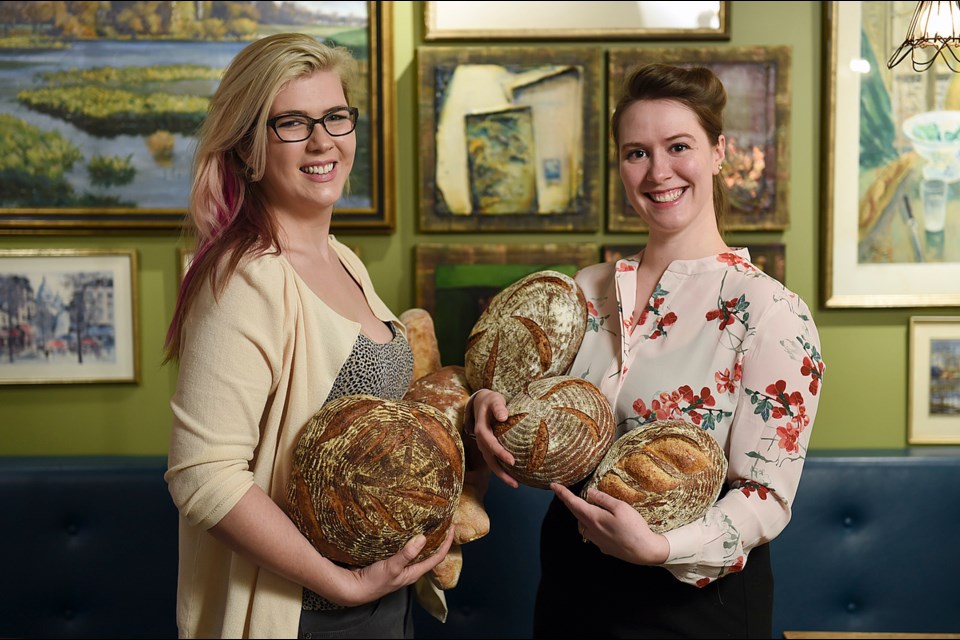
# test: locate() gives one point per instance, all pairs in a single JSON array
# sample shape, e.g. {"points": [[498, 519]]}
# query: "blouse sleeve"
{"points": [[779, 377]]}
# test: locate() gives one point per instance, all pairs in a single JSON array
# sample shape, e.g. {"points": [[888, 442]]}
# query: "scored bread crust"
{"points": [[530, 330], [670, 471], [558, 429], [369, 474]]}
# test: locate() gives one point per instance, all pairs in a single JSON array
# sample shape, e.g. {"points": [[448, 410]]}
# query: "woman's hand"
{"points": [[490, 407], [388, 575], [615, 527]]}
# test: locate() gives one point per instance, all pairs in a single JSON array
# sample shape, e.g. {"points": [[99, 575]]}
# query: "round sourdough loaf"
{"points": [[369, 474], [530, 330], [558, 429], [670, 471]]}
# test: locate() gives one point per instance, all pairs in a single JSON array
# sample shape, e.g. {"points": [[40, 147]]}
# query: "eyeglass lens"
{"points": [[296, 127]]}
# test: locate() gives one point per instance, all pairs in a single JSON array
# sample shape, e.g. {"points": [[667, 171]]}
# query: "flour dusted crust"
{"points": [[369, 474], [558, 429], [670, 471], [445, 389], [422, 337], [530, 330]]}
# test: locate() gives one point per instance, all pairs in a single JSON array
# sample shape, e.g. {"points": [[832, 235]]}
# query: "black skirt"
{"points": [[584, 593]]}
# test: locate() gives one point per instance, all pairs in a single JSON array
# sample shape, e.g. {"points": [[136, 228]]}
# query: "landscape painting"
{"points": [[100, 102]]}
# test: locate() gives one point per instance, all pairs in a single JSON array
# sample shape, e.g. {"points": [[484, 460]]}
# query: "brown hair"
{"points": [[698, 89]]}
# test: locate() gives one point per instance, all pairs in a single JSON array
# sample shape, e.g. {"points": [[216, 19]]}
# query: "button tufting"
{"points": [[848, 521], [852, 607], [73, 529]]}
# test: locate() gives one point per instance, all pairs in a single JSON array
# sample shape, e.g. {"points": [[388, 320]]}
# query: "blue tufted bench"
{"points": [[90, 550]]}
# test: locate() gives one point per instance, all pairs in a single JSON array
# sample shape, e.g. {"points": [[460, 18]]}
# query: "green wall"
{"points": [[865, 387]]}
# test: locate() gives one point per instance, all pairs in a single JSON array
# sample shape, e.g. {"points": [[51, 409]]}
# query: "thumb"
{"points": [[413, 547]]}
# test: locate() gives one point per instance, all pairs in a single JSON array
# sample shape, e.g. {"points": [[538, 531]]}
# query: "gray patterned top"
{"points": [[381, 370]]}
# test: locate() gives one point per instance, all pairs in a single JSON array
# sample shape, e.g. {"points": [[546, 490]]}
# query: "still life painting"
{"points": [[892, 166], [100, 102]]}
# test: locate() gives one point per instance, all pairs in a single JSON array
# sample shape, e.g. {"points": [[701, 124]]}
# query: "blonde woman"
{"points": [[274, 318]]}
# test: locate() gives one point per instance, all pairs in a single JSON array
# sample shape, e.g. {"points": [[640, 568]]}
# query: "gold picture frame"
{"points": [[934, 373], [756, 127], [509, 138], [91, 173], [883, 243], [468, 275], [594, 21], [68, 316]]}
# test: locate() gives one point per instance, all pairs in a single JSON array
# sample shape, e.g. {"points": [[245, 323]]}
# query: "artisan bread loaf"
{"points": [[422, 337], [558, 429], [446, 389], [670, 471], [369, 474], [530, 330], [446, 574]]}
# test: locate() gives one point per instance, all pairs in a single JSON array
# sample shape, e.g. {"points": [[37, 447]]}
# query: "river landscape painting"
{"points": [[99, 103]]}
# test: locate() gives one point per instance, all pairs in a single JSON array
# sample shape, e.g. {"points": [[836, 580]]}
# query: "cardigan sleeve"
{"points": [[229, 365]]}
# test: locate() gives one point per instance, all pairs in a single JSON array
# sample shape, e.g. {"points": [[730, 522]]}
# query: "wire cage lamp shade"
{"points": [[933, 33]]}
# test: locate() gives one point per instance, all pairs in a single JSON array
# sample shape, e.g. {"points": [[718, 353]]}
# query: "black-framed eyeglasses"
{"points": [[296, 127]]}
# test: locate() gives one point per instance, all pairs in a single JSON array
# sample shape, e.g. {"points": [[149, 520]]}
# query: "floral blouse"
{"points": [[724, 346]]}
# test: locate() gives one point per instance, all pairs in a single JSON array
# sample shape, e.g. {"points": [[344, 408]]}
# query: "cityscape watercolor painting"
{"points": [[67, 316]]}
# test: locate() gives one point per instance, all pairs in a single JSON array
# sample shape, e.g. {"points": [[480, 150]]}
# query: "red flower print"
{"points": [[815, 371], [640, 407], [755, 487], [725, 384], [726, 313], [737, 566], [731, 259], [592, 310], [777, 388], [702, 582], [789, 437], [626, 266]]}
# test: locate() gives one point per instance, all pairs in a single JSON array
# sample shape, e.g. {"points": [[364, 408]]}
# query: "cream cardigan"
{"points": [[255, 365]]}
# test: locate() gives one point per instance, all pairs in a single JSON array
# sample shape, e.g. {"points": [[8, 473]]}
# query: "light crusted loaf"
{"points": [[670, 471], [530, 330]]}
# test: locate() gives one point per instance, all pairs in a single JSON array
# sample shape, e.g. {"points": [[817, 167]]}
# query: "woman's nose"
{"points": [[660, 167]]}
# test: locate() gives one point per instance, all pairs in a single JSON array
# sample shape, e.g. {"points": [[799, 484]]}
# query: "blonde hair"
{"points": [[227, 214]]}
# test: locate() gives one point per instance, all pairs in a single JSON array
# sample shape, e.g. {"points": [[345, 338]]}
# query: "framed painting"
{"points": [[509, 138], [934, 389], [769, 258], [891, 166], [581, 20], [68, 316], [108, 101], [467, 276], [756, 126]]}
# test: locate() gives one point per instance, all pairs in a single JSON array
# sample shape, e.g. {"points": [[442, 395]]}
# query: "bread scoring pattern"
{"points": [[530, 330], [369, 474], [670, 471]]}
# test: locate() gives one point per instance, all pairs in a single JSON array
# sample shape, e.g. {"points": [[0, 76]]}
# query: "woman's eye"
{"points": [[680, 147], [290, 123], [636, 154]]}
